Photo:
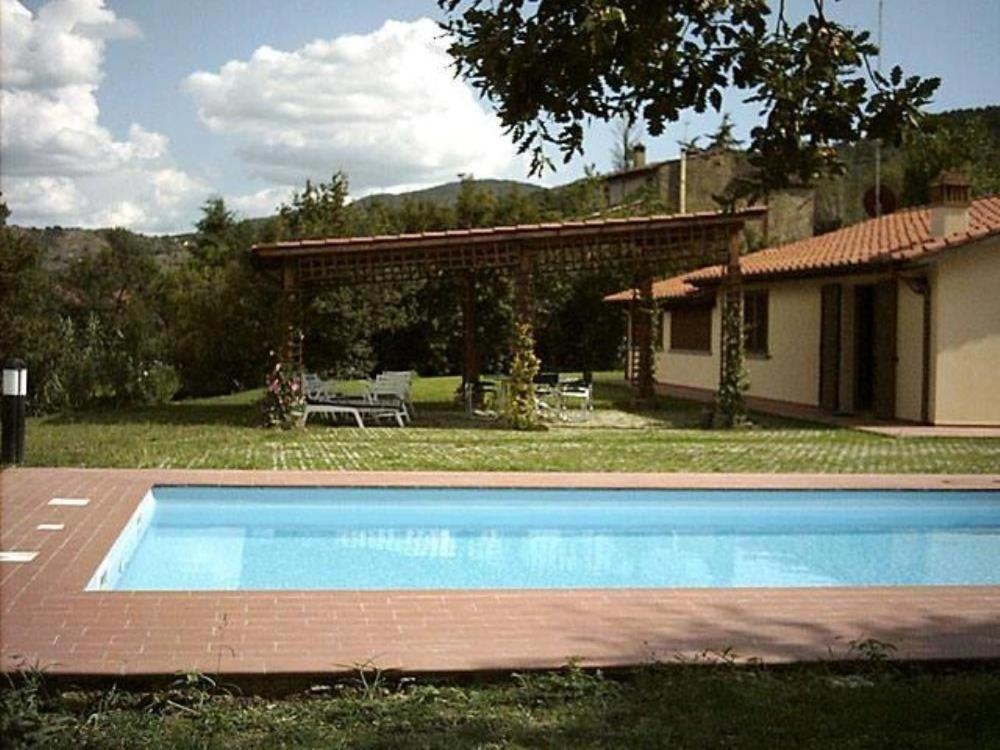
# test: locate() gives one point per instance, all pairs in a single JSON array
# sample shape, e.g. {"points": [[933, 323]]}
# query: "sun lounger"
{"points": [[357, 409], [322, 397]]}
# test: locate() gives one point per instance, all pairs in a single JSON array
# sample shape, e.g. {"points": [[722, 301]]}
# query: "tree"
{"points": [[219, 311], [214, 230], [318, 211], [29, 326], [723, 139], [956, 140], [550, 66], [626, 139], [475, 205]]}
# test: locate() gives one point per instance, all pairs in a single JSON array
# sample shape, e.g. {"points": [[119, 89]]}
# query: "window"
{"points": [[755, 322], [691, 328]]}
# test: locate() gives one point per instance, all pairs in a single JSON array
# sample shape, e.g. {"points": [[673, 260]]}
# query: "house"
{"points": [[897, 317], [692, 183]]}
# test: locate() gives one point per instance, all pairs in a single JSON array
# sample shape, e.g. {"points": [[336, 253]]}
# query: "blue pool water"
{"points": [[359, 538]]}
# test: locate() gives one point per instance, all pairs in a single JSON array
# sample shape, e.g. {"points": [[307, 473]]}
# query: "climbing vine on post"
{"points": [[730, 409], [521, 409]]}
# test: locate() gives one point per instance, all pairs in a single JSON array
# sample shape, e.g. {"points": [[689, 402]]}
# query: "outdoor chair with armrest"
{"points": [[580, 390], [317, 389], [547, 387], [392, 387]]}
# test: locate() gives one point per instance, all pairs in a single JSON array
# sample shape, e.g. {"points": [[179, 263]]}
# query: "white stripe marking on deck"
{"points": [[51, 526], [17, 557], [74, 501]]}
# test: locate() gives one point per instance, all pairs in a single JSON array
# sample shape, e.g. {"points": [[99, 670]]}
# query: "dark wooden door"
{"points": [[884, 391], [829, 348]]}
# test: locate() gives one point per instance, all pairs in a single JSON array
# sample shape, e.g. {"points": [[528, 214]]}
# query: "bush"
{"points": [[160, 383]]}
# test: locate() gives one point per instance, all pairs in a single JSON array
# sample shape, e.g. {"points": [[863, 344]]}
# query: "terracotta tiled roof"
{"points": [[898, 238], [672, 288]]}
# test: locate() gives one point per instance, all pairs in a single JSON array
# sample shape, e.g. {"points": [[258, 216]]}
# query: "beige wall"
{"points": [[965, 331], [909, 353], [692, 369], [789, 373]]}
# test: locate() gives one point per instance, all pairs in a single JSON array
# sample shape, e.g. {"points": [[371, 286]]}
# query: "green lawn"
{"points": [[223, 433], [675, 706]]}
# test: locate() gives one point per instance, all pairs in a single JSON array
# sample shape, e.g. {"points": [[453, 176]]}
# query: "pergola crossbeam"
{"points": [[651, 245]]}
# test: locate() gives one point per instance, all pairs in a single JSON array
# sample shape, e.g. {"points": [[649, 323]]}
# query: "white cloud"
{"points": [[60, 46], [60, 165], [263, 202], [385, 107]]}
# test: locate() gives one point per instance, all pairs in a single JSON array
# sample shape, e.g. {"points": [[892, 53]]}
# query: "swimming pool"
{"points": [[263, 538]]}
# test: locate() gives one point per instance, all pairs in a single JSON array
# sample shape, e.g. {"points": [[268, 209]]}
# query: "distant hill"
{"points": [[447, 193], [62, 245]]}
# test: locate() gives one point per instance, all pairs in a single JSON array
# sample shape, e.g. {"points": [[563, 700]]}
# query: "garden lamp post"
{"points": [[15, 391]]}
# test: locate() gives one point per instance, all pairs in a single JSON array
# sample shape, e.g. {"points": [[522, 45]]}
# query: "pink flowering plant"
{"points": [[284, 402]]}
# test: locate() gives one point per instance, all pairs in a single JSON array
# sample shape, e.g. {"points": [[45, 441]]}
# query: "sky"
{"points": [[133, 112]]}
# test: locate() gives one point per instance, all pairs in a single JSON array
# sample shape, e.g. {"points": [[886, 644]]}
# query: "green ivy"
{"points": [[730, 409]]}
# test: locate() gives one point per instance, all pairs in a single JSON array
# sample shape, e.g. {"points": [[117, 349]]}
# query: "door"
{"points": [[864, 347], [884, 340], [829, 348]]}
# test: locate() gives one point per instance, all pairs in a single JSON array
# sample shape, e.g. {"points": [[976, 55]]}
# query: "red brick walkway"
{"points": [[48, 620]]}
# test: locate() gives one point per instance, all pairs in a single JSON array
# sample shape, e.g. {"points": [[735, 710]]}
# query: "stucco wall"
{"points": [[692, 369], [965, 325], [790, 372], [909, 353]]}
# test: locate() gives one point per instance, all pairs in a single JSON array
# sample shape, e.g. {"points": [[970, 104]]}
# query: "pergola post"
{"points": [[523, 292], [291, 315], [470, 369], [643, 333]]}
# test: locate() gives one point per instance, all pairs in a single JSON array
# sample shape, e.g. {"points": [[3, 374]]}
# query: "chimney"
{"points": [[638, 155], [950, 200]]}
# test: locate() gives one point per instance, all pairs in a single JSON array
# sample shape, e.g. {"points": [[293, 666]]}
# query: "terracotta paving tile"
{"points": [[48, 619]]}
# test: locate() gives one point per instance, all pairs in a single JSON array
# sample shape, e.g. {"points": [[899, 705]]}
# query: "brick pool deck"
{"points": [[49, 621]]}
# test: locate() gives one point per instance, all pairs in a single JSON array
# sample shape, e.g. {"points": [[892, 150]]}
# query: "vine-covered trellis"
{"points": [[653, 245]]}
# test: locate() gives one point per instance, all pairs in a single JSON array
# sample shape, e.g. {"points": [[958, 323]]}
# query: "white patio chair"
{"points": [[578, 391], [317, 389], [392, 386]]}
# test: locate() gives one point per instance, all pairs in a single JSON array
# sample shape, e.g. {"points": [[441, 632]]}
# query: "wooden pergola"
{"points": [[651, 245]]}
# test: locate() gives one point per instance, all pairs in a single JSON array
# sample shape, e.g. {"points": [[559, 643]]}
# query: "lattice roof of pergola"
{"points": [[688, 240]]}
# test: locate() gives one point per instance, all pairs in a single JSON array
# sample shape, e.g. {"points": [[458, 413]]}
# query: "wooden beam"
{"points": [[291, 315], [470, 370], [644, 335], [523, 286], [925, 381]]}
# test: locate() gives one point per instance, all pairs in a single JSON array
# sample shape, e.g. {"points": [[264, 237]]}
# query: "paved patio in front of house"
{"points": [[49, 621]]}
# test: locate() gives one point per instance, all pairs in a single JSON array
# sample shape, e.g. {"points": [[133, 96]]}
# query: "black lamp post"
{"points": [[15, 392]]}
